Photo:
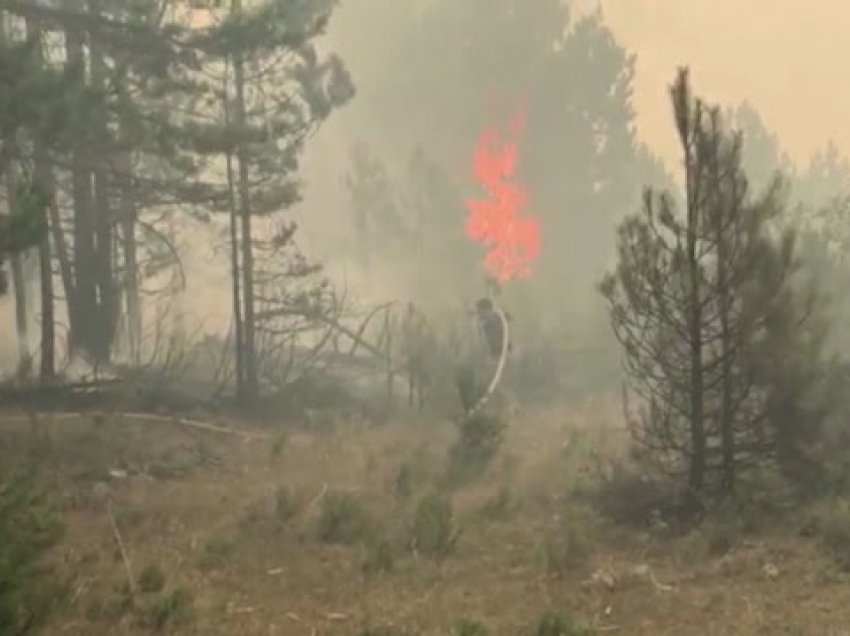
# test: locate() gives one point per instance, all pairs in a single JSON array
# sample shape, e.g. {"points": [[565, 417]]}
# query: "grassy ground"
{"points": [[313, 532]]}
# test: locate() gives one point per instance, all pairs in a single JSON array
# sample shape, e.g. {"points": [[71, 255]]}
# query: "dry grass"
{"points": [[238, 557]]}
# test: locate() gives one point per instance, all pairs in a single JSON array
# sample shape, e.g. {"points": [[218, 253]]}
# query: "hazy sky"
{"points": [[790, 59]]}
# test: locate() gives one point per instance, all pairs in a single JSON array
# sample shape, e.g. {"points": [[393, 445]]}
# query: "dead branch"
{"points": [[179, 421], [128, 568]]}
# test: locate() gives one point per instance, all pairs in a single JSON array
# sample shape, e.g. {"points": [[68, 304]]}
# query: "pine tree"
{"points": [[703, 304], [109, 51], [277, 90]]}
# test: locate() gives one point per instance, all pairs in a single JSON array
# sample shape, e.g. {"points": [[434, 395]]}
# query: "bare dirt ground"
{"points": [[199, 507]]}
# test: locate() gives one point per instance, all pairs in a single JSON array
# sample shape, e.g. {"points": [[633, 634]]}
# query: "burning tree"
{"points": [[719, 335]]}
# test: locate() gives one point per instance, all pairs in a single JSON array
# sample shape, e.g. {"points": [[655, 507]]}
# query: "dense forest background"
{"points": [[385, 180]]}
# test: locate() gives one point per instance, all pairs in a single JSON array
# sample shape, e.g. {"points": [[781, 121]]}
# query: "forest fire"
{"points": [[512, 240]]}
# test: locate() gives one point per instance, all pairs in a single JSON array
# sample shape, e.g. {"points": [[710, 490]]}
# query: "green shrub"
{"points": [[382, 630], [570, 543], [277, 446], [286, 505], [552, 624], [831, 523], [469, 386], [151, 579], [343, 519], [28, 528], [631, 496], [470, 627], [216, 553], [404, 481], [435, 532], [113, 608], [500, 505], [380, 555], [479, 438], [174, 609]]}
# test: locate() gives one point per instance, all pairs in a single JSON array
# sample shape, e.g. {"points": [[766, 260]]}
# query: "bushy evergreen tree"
{"points": [[721, 338]]}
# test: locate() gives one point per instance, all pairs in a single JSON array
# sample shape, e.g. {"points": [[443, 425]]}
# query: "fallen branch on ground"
{"points": [[180, 421], [128, 568]]}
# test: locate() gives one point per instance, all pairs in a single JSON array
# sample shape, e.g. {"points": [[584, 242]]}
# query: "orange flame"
{"points": [[512, 240]]}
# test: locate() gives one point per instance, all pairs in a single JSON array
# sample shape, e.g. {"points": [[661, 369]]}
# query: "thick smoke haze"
{"points": [[405, 92], [783, 58], [394, 317], [754, 66]]}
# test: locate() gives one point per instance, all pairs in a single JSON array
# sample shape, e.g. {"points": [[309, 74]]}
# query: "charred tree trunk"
{"points": [[689, 121]]}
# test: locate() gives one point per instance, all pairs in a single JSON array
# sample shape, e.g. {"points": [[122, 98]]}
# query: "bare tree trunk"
{"points": [[697, 467], [689, 121], [60, 246], [727, 409], [131, 265], [43, 181], [48, 320], [82, 297], [238, 335], [18, 284], [106, 304], [726, 406], [20, 291], [249, 340], [388, 331], [106, 298]]}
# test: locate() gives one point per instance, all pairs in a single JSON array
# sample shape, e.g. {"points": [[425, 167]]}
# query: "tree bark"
{"points": [[248, 351], [237, 308], [18, 284], [131, 265], [724, 219], [689, 121], [43, 181], [106, 297], [20, 292], [238, 335], [48, 320], [82, 297]]}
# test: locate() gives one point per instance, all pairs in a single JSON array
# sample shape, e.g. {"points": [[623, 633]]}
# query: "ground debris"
{"points": [[606, 577], [770, 571]]}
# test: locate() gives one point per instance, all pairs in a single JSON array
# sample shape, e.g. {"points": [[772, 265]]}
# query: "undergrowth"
{"points": [[29, 527]]}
